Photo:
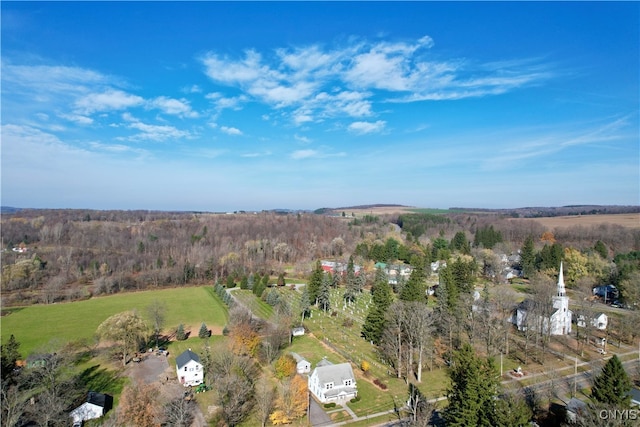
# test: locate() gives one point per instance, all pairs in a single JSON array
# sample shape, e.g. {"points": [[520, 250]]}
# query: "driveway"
{"points": [[317, 416]]}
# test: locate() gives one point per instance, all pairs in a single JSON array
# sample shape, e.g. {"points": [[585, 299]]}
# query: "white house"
{"points": [[189, 369], [303, 366], [333, 383], [559, 323], [97, 405], [600, 321]]}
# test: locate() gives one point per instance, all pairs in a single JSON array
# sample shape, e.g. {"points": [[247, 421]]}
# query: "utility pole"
{"points": [[575, 377], [500, 364]]}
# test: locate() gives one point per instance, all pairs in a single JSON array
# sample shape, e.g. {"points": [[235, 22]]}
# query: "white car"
{"points": [[602, 351]]}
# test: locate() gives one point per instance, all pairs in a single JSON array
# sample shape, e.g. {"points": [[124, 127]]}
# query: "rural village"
{"points": [[363, 316]]}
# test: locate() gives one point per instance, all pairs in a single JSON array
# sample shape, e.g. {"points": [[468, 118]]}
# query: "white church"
{"points": [[560, 320]]}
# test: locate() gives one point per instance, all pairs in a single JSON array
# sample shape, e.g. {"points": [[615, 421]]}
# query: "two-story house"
{"points": [[333, 383], [189, 369]]}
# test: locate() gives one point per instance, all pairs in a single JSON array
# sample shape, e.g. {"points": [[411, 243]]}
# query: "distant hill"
{"points": [[9, 209]]}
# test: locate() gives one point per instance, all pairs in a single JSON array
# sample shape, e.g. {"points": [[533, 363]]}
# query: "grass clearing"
{"points": [[35, 326]]}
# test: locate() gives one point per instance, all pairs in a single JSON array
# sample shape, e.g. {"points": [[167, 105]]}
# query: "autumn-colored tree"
{"points": [[285, 366], [365, 366], [575, 265], [244, 340], [127, 329], [548, 236], [137, 407], [291, 402]]}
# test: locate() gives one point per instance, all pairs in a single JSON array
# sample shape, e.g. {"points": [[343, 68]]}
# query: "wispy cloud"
{"points": [[177, 107], [149, 132], [230, 130], [304, 154], [362, 128], [109, 100], [313, 82]]}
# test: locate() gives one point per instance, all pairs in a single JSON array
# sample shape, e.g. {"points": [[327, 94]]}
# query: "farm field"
{"points": [[35, 326], [631, 220]]}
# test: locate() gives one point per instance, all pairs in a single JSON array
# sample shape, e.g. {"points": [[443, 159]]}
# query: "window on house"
{"points": [[185, 369], [329, 386], [347, 383]]}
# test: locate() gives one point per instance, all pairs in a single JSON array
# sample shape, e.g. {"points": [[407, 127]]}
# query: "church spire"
{"points": [[561, 290]]}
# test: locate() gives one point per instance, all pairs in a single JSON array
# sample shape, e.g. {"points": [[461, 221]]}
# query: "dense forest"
{"points": [[55, 255]]}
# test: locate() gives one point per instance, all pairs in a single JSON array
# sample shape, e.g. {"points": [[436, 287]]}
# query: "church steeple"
{"points": [[561, 290]]}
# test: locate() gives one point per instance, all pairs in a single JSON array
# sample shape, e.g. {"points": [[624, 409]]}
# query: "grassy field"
{"points": [[35, 326], [631, 220]]}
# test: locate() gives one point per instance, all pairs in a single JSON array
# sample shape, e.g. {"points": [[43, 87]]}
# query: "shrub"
{"points": [[330, 405], [380, 384], [348, 322], [181, 335], [365, 366], [355, 399]]}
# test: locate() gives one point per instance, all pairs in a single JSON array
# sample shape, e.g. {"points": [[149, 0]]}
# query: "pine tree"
{"points": [[304, 304], [180, 333], [612, 386], [415, 288], [474, 386], [9, 354], [323, 293], [528, 257], [375, 321], [204, 331], [315, 282]]}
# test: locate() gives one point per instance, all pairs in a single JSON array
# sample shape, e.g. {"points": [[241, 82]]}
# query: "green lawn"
{"points": [[35, 326]]}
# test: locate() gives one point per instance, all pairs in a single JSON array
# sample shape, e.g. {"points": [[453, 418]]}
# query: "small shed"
{"points": [[575, 407], [96, 405], [303, 366], [297, 332]]}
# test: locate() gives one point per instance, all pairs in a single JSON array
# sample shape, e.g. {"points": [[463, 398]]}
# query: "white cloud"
{"points": [[362, 128], [152, 132], [304, 154], [177, 107], [77, 118], [109, 100], [257, 154], [230, 130], [302, 138], [192, 89], [314, 82]]}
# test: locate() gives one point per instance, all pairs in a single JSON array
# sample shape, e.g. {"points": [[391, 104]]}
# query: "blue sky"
{"points": [[228, 106]]}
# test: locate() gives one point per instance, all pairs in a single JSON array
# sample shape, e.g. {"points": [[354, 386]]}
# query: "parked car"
{"points": [[602, 351]]}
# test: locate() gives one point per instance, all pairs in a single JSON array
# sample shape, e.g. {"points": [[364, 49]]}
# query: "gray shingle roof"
{"points": [[186, 357], [335, 374]]}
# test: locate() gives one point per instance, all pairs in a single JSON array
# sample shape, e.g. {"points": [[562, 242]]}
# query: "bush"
{"points": [[348, 322], [330, 405], [181, 335], [380, 384], [355, 399]]}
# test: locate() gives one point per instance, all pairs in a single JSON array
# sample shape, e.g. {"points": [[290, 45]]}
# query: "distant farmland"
{"points": [[631, 220]]}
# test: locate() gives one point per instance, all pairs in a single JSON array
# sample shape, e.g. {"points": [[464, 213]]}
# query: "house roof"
{"points": [[335, 374], [297, 357], [186, 357], [99, 399], [635, 395], [323, 362], [575, 405]]}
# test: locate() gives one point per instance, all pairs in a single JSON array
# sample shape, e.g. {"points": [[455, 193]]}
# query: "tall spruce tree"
{"points": [[415, 288], [382, 297], [324, 302], [315, 282], [474, 387], [528, 257], [612, 386]]}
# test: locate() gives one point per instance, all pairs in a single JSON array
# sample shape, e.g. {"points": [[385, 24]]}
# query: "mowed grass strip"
{"points": [[36, 326], [256, 305]]}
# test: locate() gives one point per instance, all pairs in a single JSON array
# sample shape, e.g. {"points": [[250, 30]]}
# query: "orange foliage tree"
{"points": [[244, 340], [285, 366], [291, 402], [548, 236], [138, 406]]}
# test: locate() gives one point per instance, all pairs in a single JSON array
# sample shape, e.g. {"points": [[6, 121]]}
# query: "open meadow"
{"points": [[37, 325], [631, 220]]}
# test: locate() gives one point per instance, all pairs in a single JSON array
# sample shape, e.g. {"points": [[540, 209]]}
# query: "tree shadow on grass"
{"points": [[102, 380]]}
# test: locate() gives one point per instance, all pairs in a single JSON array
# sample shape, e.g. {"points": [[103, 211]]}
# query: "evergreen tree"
{"points": [[449, 289], [351, 282], [335, 280], [304, 304], [474, 387], [180, 333], [601, 249], [415, 288], [204, 331], [612, 386], [382, 297], [528, 257], [460, 243], [324, 293], [9, 354], [281, 279], [244, 282], [315, 282]]}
